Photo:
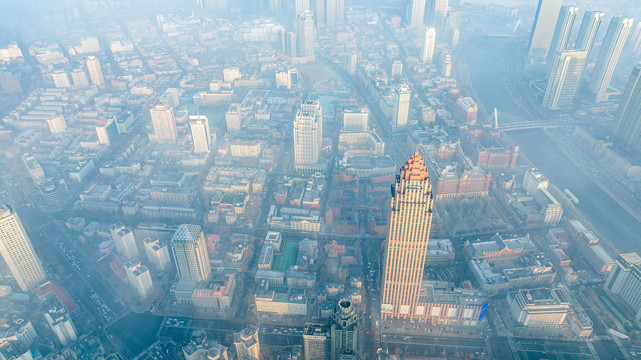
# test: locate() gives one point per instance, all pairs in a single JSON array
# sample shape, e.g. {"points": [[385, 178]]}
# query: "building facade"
{"points": [[565, 77], [308, 134], [402, 96], [562, 32]]}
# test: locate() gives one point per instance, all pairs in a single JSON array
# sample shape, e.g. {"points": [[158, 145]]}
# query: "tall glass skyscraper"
{"points": [[613, 44], [409, 233], [547, 14], [589, 28], [305, 33], [564, 25], [190, 253], [565, 78], [627, 123]]}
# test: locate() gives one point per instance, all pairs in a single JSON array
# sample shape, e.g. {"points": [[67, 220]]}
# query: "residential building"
{"points": [[95, 71], [124, 240], [18, 252], [60, 323], [162, 117], [408, 236], [157, 253], [139, 277], [57, 124]]}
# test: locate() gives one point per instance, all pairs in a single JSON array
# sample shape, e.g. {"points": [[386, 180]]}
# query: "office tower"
{"points": [[17, 251], [33, 168], [562, 32], [414, 13], [301, 5], [170, 98], [397, 68], [107, 130], [233, 119], [199, 348], [139, 277], [79, 78], [635, 40], [124, 240], [60, 79], [545, 19], [290, 44], [95, 72], [190, 253], [624, 281], [344, 340], [330, 12], [200, 134], [409, 232], [57, 124], [305, 33], [588, 31], [162, 117], [613, 43], [246, 343], [435, 13], [352, 63], [356, 119], [308, 133], [157, 253], [316, 341], [454, 37], [60, 323], [402, 96], [565, 78], [428, 45], [627, 123]]}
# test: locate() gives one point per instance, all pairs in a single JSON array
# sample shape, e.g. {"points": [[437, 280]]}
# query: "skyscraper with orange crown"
{"points": [[409, 233]]}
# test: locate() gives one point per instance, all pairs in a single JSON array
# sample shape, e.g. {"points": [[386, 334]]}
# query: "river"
{"points": [[485, 59]]}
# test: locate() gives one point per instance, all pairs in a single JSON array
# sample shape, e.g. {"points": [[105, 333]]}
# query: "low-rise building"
{"points": [[539, 307], [282, 303], [439, 251]]}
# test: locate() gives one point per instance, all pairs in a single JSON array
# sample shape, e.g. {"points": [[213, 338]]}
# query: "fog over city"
{"points": [[320, 179]]}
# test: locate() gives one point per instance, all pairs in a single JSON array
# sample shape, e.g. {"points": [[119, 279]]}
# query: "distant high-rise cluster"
{"points": [[566, 64]]}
